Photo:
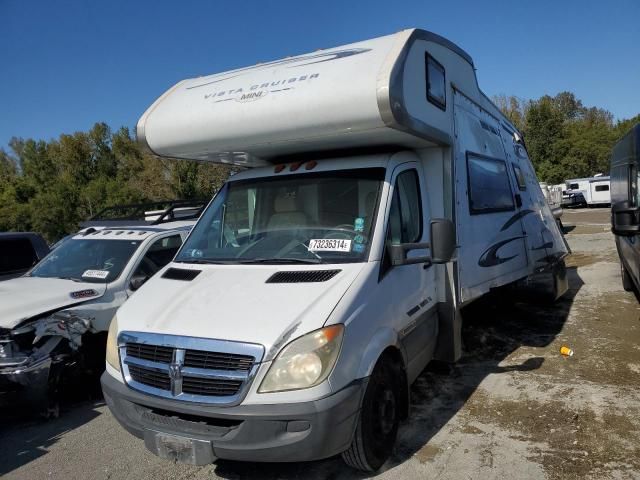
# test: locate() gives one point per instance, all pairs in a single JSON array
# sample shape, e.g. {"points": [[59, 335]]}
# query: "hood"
{"points": [[235, 302], [26, 297]]}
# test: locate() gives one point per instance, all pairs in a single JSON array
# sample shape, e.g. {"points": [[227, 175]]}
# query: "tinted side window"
{"points": [[436, 84], [522, 184], [602, 188], [405, 217], [16, 254], [489, 188]]}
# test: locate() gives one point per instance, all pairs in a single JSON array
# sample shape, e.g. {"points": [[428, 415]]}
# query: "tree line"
{"points": [[51, 186], [564, 138]]}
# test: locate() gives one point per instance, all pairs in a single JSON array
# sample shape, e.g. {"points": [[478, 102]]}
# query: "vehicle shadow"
{"points": [[26, 436], [494, 327]]}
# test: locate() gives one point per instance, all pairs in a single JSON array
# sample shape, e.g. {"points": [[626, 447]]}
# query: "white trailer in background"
{"points": [[599, 192], [387, 192]]}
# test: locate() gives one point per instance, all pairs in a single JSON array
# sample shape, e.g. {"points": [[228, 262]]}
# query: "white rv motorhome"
{"points": [[386, 192]]}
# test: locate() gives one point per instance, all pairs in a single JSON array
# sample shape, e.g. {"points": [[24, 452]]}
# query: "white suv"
{"points": [[57, 315]]}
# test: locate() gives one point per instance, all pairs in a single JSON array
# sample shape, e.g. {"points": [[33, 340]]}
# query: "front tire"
{"points": [[379, 419], [627, 283]]}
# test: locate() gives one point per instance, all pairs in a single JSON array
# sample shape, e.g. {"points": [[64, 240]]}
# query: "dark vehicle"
{"points": [[19, 252], [573, 198], [625, 206]]}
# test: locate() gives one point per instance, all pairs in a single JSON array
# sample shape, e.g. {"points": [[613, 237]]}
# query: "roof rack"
{"points": [[152, 213]]}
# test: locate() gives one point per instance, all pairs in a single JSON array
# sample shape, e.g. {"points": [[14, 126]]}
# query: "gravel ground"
{"points": [[513, 407]]}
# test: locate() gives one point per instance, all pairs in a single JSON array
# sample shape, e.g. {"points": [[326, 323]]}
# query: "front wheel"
{"points": [[627, 283], [379, 419]]}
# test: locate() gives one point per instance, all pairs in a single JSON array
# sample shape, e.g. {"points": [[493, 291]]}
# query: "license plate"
{"points": [[179, 449]]}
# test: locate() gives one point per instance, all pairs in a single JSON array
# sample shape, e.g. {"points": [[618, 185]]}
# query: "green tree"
{"points": [[544, 133]]}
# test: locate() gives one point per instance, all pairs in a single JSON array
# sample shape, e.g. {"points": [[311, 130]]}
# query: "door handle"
{"points": [[518, 200]]}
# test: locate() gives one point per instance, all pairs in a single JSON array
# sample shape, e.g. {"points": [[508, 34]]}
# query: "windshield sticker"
{"points": [[194, 253], [359, 248], [101, 274], [358, 224], [358, 239], [329, 245]]}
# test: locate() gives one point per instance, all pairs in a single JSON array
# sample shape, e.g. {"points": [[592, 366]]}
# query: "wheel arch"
{"points": [[386, 346]]}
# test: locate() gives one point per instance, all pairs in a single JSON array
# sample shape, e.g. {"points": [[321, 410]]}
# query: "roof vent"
{"points": [[310, 276], [181, 274]]}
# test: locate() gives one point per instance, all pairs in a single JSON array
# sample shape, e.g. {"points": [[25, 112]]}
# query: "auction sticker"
{"points": [[329, 245], [101, 274]]}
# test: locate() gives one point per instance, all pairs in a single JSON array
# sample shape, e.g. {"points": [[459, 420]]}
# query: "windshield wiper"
{"points": [[70, 278], [280, 260], [202, 261]]}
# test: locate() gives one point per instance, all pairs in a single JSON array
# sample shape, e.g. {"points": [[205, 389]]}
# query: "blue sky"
{"points": [[68, 64]]}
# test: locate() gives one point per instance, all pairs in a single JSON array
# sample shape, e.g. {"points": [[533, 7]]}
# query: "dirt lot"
{"points": [[512, 408]]}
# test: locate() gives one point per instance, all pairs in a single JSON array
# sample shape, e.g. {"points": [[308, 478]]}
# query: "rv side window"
{"points": [[522, 184], [489, 188], [436, 85], [405, 217], [574, 186], [602, 188]]}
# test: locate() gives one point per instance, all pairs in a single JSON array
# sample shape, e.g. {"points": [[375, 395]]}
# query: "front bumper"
{"points": [[28, 383], [293, 432]]}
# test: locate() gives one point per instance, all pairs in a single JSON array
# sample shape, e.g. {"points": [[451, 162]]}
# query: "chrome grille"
{"points": [[154, 353], [188, 368], [150, 377], [208, 386], [218, 361]]}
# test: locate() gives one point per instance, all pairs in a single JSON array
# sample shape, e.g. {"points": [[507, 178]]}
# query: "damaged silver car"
{"points": [[54, 319]]}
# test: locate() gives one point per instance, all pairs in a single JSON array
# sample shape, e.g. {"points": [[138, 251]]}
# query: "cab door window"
{"points": [[405, 216], [158, 255]]}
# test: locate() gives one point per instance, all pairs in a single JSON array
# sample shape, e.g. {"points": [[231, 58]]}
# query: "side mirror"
{"points": [[398, 254], [624, 219], [137, 281], [443, 240], [443, 244]]}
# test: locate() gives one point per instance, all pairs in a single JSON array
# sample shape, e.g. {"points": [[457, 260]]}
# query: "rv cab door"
{"points": [[412, 286]]}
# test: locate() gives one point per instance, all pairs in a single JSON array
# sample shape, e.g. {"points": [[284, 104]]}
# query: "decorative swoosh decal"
{"points": [[543, 246], [297, 61], [515, 218], [490, 257]]}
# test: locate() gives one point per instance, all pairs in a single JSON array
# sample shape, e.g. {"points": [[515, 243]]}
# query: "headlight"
{"points": [[305, 362], [113, 358]]}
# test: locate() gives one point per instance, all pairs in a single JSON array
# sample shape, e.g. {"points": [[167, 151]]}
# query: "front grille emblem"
{"points": [[175, 371]]}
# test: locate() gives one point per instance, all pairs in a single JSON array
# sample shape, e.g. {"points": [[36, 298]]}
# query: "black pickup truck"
{"points": [[19, 252]]}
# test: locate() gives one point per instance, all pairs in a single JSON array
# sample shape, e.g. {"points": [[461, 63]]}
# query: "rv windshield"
{"points": [[319, 217], [95, 261]]}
